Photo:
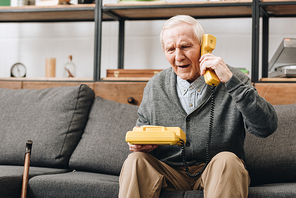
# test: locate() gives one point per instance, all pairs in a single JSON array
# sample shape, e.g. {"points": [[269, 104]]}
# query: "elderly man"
{"points": [[179, 96]]}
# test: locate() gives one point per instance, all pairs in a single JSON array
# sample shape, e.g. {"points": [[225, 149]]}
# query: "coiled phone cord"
{"points": [[208, 141]]}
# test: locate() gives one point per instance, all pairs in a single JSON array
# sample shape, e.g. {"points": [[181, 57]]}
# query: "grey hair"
{"points": [[198, 30]]}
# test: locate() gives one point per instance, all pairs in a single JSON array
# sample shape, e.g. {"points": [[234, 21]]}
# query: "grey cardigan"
{"points": [[237, 107]]}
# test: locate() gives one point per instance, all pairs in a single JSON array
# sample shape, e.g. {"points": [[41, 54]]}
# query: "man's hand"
{"points": [[209, 61], [146, 148]]}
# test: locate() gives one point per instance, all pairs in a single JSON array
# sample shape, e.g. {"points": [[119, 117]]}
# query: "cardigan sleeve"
{"points": [[259, 116]]}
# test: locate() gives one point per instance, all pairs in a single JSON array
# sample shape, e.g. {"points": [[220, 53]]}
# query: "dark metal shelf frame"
{"points": [[266, 14]]}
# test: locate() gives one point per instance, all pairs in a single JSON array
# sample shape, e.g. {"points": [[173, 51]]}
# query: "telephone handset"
{"points": [[208, 45]]}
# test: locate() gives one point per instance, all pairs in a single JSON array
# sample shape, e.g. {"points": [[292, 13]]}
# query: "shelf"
{"points": [[277, 93], [59, 13], [204, 9], [278, 8], [49, 79], [286, 80], [129, 79]]}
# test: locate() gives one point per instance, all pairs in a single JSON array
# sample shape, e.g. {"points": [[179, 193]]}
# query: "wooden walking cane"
{"points": [[26, 168]]}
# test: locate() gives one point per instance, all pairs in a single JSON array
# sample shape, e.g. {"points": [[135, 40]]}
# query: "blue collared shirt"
{"points": [[190, 93]]}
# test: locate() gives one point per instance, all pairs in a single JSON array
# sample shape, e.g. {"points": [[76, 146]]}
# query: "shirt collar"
{"points": [[184, 85]]}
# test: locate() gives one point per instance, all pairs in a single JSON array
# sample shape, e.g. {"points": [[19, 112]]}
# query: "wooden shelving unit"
{"points": [[122, 12], [154, 11]]}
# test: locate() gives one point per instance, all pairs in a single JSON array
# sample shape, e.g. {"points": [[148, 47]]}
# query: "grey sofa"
{"points": [[79, 147]]}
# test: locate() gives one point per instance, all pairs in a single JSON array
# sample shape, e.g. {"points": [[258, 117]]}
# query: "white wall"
{"points": [[31, 43]]}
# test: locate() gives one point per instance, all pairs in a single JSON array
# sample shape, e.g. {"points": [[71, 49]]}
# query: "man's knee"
{"points": [[133, 162], [225, 171], [138, 158], [225, 157], [228, 160], [227, 164]]}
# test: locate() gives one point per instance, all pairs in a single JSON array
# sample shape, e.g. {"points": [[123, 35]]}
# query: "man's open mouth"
{"points": [[183, 66]]}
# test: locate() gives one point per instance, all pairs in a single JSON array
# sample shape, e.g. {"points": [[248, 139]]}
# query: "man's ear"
{"points": [[162, 48]]}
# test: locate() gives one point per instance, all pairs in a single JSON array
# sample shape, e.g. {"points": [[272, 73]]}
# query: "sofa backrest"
{"points": [[52, 118], [273, 159], [103, 148]]}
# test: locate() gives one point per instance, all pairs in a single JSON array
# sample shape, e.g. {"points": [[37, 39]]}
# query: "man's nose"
{"points": [[179, 55]]}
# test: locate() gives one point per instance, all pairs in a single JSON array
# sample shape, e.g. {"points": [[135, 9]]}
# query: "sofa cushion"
{"points": [[52, 118], [103, 148], [172, 194], [11, 178], [194, 194], [273, 159], [277, 190], [81, 184], [74, 184]]}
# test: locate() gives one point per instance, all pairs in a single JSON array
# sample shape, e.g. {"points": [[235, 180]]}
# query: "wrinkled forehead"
{"points": [[179, 34]]}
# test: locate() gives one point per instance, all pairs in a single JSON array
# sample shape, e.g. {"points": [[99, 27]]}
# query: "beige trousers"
{"points": [[144, 176]]}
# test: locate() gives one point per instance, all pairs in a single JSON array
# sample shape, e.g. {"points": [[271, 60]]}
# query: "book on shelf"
{"points": [[51, 2]]}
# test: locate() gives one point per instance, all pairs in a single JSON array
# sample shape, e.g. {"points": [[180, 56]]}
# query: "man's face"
{"points": [[182, 50]]}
